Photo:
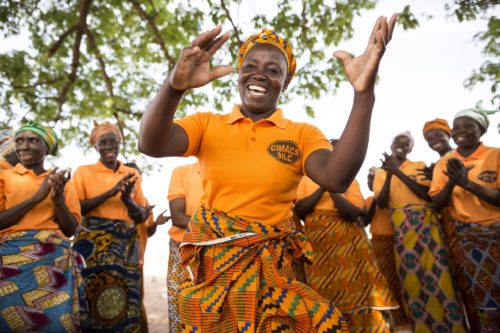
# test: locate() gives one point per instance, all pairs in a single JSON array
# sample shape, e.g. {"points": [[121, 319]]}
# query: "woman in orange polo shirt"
{"points": [[8, 157], [343, 269], [39, 210], [239, 245], [466, 181], [112, 205], [382, 242], [421, 256]]}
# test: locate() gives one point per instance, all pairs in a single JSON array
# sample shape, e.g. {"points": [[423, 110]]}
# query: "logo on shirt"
{"points": [[284, 151], [488, 176]]}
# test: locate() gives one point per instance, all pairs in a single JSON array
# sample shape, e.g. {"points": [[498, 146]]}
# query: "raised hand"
{"points": [[427, 171], [45, 187], [127, 188], [193, 70], [457, 172], [58, 182], [115, 189], [162, 219], [389, 164], [361, 71]]}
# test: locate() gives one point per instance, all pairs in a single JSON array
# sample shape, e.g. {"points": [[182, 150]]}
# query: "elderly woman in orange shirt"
{"points": [[39, 210], [112, 204], [239, 245], [467, 181]]}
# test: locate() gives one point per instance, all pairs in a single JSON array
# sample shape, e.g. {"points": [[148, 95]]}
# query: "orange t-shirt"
{"points": [[185, 182], [94, 179], [307, 187], [381, 224], [19, 184], [400, 195], [465, 206], [251, 169], [142, 229], [4, 165]]}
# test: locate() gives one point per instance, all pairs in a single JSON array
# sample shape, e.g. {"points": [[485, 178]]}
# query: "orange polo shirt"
{"points": [[400, 195], [94, 179], [381, 224], [4, 165], [307, 187], [465, 206], [19, 184], [185, 182], [251, 169]]}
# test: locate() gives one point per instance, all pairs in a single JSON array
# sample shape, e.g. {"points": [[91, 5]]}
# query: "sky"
{"points": [[420, 78]]}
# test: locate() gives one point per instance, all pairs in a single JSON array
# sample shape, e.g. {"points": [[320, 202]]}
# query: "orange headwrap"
{"points": [[438, 123], [103, 129], [268, 36]]}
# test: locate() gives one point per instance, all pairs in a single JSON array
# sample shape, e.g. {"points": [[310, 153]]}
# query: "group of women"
{"points": [[242, 247]]}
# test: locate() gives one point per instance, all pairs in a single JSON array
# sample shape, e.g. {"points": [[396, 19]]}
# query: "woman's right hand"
{"points": [[119, 185], [192, 70], [45, 187]]}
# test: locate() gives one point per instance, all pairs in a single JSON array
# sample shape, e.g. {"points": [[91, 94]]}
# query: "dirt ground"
{"points": [[155, 300]]}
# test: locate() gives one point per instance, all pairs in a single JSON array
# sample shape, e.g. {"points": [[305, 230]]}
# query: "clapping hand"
{"points": [[457, 172], [389, 164]]}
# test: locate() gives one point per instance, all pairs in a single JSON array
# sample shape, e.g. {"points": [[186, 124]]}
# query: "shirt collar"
{"points": [[101, 167], [21, 170], [276, 118], [477, 154]]}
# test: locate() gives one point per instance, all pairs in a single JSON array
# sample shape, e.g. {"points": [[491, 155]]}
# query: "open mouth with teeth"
{"points": [[257, 90]]}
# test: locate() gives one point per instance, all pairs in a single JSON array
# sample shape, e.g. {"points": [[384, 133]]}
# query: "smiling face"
{"points": [[400, 147], [262, 78], [108, 147], [30, 149], [466, 132], [438, 140]]}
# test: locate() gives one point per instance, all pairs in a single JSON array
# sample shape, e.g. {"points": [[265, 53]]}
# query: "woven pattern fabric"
{"points": [[423, 268], [478, 247], [112, 299], [39, 283], [176, 274], [383, 248], [243, 280], [367, 321], [343, 269]]}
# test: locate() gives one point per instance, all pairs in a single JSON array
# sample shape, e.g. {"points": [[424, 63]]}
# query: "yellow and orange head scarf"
{"points": [[438, 123], [46, 133], [268, 36], [102, 129]]}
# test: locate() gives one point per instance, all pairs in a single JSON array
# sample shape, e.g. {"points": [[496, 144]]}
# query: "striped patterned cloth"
{"points": [[40, 283], [345, 272], [423, 268], [243, 280], [176, 274]]}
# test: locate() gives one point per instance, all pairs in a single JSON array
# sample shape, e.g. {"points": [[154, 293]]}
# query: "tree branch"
{"points": [[102, 64], [228, 15], [156, 32], [53, 49], [75, 62]]}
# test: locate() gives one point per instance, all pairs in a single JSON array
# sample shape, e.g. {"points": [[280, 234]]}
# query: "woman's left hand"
{"points": [[127, 188], [58, 182], [457, 172], [361, 71]]}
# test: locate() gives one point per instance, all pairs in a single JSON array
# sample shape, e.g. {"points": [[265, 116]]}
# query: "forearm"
{"points": [[369, 213], [490, 195], [66, 220], [383, 197], [346, 209], [152, 229], [180, 220], [12, 215], [442, 199], [342, 165], [419, 190], [92, 203], [156, 126], [135, 211], [306, 205]]}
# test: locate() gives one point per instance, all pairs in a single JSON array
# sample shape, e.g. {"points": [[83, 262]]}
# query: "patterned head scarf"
{"points": [[46, 133], [438, 123], [410, 138], [268, 36], [6, 142], [103, 129], [475, 114]]}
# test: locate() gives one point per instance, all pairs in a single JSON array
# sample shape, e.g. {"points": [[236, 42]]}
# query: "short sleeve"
{"points": [[354, 196], [313, 139], [72, 201], [439, 178], [176, 188], [378, 182], [194, 126]]}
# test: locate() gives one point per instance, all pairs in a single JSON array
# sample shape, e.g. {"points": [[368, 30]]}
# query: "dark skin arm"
{"points": [[383, 196], [89, 204], [367, 214], [306, 205], [11, 216], [333, 171], [135, 211], [346, 209], [178, 210], [419, 190], [66, 220], [160, 220], [458, 175]]}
